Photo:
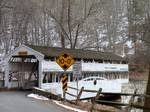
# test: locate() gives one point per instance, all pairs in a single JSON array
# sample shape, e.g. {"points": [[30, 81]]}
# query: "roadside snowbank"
{"points": [[39, 97], [67, 107]]}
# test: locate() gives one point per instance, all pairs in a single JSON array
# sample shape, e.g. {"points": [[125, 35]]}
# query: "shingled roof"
{"points": [[77, 53]]}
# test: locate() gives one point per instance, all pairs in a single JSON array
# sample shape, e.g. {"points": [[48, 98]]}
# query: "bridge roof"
{"points": [[77, 53]]}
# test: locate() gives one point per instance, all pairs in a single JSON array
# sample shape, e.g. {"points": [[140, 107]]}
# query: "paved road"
{"points": [[18, 102]]}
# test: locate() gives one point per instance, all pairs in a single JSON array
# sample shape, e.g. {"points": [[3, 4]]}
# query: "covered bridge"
{"points": [[27, 65]]}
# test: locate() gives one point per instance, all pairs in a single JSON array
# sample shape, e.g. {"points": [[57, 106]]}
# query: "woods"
{"points": [[85, 24], [101, 25], [120, 26]]}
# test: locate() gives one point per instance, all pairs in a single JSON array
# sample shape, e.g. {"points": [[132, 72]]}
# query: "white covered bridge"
{"points": [[28, 66]]}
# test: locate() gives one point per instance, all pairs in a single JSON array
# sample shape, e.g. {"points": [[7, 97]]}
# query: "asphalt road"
{"points": [[19, 102]]}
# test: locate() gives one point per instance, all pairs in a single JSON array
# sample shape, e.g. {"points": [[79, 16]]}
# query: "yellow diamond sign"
{"points": [[65, 61]]}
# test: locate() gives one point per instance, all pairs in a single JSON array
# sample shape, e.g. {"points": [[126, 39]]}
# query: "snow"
{"points": [[39, 97], [67, 107], [48, 66], [39, 89]]}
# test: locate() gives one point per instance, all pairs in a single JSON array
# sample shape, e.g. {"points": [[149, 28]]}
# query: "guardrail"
{"points": [[96, 100]]}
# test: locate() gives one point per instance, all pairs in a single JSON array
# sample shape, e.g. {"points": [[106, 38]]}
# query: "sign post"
{"points": [[65, 61], [77, 71], [64, 84]]}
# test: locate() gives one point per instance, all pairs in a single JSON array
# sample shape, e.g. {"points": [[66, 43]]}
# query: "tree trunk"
{"points": [[147, 100], [61, 21], [62, 41]]}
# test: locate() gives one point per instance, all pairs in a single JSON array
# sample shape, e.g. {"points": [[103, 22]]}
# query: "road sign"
{"points": [[77, 68], [65, 61], [64, 82], [77, 71]]}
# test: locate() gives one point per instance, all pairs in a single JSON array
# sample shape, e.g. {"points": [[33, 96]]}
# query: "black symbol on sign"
{"points": [[65, 67], [61, 61], [65, 55], [68, 61]]}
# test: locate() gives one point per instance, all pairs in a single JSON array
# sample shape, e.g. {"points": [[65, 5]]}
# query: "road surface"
{"points": [[19, 102]]}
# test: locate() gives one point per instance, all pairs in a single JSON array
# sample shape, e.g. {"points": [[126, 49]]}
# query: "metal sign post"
{"points": [[77, 72]]}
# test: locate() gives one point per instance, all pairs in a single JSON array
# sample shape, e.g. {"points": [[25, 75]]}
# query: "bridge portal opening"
{"points": [[23, 72]]}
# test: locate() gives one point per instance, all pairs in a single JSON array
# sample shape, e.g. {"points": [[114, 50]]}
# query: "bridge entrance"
{"points": [[23, 72], [23, 68]]}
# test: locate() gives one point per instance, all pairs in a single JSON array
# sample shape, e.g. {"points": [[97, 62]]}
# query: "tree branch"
{"points": [[60, 25]]}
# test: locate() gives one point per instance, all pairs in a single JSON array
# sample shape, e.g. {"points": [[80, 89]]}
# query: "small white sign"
{"points": [[77, 68]]}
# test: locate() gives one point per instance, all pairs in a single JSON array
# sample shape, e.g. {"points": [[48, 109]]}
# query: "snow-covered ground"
{"points": [[67, 107], [40, 97]]}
